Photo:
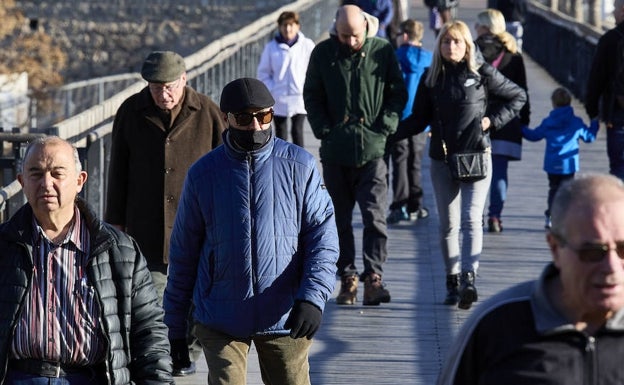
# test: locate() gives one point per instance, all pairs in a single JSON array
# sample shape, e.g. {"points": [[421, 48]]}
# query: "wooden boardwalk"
{"points": [[404, 342]]}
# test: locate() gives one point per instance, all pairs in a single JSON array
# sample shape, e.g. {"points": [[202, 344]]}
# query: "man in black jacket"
{"points": [[77, 299], [565, 327], [600, 98]]}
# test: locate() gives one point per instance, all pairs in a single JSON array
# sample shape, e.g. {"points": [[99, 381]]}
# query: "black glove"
{"points": [[180, 353], [304, 320]]}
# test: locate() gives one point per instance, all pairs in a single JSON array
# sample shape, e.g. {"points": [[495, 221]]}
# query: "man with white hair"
{"points": [[567, 326]]}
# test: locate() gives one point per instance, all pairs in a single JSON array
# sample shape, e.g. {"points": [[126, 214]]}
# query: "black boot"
{"points": [[452, 289], [467, 290]]}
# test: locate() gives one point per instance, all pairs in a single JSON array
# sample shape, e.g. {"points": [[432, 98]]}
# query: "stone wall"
{"points": [[114, 36]]}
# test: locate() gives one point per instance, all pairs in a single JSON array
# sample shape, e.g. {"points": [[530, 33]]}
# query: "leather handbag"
{"points": [[468, 166]]}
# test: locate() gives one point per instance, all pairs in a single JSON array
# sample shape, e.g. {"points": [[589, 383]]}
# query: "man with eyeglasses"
{"points": [[567, 327], [157, 134], [254, 247]]}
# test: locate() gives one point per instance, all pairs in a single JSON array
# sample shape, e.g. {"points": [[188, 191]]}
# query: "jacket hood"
{"points": [[563, 116], [410, 58]]}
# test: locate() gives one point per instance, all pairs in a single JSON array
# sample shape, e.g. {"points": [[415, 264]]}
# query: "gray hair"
{"points": [[46, 140], [584, 188]]}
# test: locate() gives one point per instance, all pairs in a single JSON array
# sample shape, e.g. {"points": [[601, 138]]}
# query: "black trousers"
{"points": [[367, 186], [406, 156], [296, 128]]}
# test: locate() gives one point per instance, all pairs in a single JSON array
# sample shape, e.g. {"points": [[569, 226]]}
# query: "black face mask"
{"points": [[250, 140]]}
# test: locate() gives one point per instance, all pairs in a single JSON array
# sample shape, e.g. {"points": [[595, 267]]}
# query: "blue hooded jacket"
{"points": [[562, 131], [413, 61], [254, 232]]}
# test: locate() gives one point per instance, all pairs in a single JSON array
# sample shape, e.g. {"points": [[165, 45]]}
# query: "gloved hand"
{"points": [[180, 353], [304, 320]]}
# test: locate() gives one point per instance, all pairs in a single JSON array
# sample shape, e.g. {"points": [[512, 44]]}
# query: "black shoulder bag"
{"points": [[466, 166]]}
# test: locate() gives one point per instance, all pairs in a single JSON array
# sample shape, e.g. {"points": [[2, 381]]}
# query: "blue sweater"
{"points": [[254, 232], [562, 131]]}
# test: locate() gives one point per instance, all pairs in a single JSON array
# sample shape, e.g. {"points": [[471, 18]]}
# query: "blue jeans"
{"points": [[460, 208], [498, 186], [615, 151]]}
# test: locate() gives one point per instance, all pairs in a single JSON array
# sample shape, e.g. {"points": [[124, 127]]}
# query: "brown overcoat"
{"points": [[148, 164]]}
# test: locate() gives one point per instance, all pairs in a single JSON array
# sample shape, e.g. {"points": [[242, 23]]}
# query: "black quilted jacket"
{"points": [[131, 316], [455, 106]]}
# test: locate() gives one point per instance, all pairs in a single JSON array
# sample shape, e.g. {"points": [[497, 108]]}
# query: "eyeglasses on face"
{"points": [[168, 88], [593, 252], [245, 118]]}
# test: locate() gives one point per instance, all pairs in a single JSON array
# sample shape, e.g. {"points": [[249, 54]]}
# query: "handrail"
{"points": [[210, 65]]}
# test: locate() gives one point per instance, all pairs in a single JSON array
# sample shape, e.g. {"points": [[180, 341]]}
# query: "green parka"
{"points": [[354, 100]]}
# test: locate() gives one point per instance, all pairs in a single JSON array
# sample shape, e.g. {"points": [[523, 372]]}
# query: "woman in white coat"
{"points": [[282, 68]]}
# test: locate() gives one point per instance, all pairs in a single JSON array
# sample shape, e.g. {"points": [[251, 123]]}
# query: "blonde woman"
{"points": [[499, 49], [452, 99]]}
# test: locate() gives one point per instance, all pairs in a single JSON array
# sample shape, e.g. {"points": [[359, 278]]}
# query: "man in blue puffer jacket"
{"points": [[254, 248]]}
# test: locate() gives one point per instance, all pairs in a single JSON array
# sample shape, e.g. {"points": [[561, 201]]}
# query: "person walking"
{"points": [[514, 12], [78, 304], [406, 155], [566, 326], [254, 248], [604, 96], [498, 48], [282, 68], [383, 10], [562, 131], [452, 100], [354, 94], [157, 134]]}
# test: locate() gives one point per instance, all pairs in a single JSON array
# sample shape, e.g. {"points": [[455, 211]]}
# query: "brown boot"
{"points": [[348, 289], [375, 291]]}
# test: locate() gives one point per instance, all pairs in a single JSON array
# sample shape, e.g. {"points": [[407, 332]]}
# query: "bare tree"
{"points": [[30, 50]]}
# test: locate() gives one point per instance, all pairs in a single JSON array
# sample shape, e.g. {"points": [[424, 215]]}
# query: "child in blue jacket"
{"points": [[562, 131]]}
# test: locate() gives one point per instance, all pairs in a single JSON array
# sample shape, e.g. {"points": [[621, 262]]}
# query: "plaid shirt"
{"points": [[60, 318]]}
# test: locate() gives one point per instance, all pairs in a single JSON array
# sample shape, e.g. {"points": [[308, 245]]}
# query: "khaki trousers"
{"points": [[283, 360]]}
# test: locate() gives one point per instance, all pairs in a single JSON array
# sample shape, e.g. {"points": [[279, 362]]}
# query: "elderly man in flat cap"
{"points": [[254, 247], [157, 134]]}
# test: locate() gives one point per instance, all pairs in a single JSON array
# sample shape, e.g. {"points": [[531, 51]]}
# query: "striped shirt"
{"points": [[60, 318]]}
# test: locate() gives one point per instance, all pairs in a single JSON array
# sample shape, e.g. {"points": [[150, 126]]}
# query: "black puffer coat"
{"points": [[132, 320], [506, 141], [455, 106]]}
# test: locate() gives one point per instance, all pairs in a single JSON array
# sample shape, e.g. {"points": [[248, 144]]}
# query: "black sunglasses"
{"points": [[245, 118], [593, 252]]}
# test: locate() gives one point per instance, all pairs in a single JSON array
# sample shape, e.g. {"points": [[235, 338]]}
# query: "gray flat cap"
{"points": [[162, 67]]}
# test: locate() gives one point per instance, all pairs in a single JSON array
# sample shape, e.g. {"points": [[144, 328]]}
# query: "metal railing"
{"points": [[234, 55]]}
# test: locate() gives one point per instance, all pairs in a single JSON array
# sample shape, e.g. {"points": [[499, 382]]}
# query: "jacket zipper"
{"points": [[252, 224], [590, 361]]}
